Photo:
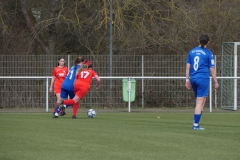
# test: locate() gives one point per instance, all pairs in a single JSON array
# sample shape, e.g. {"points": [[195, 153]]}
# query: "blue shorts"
{"points": [[65, 93], [200, 86]]}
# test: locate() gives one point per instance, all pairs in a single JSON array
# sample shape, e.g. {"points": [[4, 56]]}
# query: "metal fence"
{"points": [[158, 93]]}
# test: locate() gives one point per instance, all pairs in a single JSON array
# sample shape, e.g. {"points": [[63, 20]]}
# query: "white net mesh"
{"points": [[227, 70]]}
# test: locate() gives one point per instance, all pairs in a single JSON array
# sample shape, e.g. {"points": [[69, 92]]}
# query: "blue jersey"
{"points": [[200, 60], [70, 78]]}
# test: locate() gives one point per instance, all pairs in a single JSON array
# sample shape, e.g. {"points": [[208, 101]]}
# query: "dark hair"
{"points": [[77, 61], [60, 59], [203, 40]]}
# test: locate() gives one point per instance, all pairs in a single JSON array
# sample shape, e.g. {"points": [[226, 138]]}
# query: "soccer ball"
{"points": [[91, 113]]}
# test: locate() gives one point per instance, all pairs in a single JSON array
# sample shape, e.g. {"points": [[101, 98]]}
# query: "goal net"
{"points": [[229, 68]]}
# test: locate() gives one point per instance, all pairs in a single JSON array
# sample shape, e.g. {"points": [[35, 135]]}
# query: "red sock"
{"points": [[75, 109], [69, 102]]}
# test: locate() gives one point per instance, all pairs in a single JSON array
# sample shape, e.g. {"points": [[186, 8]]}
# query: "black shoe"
{"points": [[55, 116], [62, 114], [74, 117], [63, 111]]}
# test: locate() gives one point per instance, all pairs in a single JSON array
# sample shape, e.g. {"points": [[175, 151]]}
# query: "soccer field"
{"points": [[119, 136]]}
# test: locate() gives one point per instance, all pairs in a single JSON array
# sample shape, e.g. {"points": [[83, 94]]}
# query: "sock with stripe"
{"points": [[197, 118]]}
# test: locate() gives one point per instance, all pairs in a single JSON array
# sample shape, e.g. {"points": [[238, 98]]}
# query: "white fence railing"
{"points": [[142, 79]]}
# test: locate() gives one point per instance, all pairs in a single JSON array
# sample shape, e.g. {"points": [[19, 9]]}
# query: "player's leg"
{"points": [[61, 95], [200, 102], [56, 105], [75, 106], [74, 111], [57, 91], [69, 93], [201, 94], [81, 92], [196, 116], [64, 96], [70, 102]]}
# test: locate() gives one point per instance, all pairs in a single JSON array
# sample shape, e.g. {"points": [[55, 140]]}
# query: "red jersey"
{"points": [[85, 76], [59, 74], [83, 81]]}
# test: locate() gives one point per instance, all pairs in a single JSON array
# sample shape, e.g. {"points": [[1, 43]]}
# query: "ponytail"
{"points": [[77, 61], [203, 40]]}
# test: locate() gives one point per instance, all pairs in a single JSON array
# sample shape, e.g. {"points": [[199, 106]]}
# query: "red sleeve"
{"points": [[54, 72], [67, 70], [93, 73]]}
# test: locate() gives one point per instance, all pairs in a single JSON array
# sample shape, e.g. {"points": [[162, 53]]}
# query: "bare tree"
{"points": [[139, 26], [49, 48]]}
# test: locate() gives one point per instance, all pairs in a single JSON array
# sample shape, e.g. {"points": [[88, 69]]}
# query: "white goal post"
{"points": [[229, 68]]}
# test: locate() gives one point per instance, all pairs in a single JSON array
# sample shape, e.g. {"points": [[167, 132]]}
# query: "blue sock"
{"points": [[58, 109], [197, 118]]}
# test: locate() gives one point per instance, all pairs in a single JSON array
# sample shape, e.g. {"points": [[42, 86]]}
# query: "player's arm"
{"points": [[213, 71], [98, 81], [52, 82], [214, 76], [187, 84]]}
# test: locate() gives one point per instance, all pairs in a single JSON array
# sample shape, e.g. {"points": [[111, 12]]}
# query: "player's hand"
{"points": [[97, 87], [188, 85], [216, 85]]}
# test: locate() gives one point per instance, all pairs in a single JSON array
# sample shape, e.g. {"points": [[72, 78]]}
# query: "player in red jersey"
{"points": [[58, 75], [82, 85]]}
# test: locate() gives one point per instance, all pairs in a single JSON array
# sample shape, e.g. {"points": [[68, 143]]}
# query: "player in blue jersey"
{"points": [[200, 63], [67, 88]]}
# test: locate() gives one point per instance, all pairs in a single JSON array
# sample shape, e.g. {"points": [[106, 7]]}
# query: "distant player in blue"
{"points": [[200, 63], [67, 88]]}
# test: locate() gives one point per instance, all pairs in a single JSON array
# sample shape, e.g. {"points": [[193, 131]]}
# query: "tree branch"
{"points": [[31, 26]]}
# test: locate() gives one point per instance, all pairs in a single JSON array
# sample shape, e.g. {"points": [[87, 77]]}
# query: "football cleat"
{"points": [[55, 116], [63, 111], [74, 117], [197, 128]]}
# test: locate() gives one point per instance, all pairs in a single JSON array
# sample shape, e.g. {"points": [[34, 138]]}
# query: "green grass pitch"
{"points": [[119, 136]]}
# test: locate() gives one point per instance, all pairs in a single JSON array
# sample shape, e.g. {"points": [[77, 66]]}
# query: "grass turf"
{"points": [[119, 136]]}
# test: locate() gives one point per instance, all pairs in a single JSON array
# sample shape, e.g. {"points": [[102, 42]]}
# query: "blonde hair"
{"points": [[83, 67]]}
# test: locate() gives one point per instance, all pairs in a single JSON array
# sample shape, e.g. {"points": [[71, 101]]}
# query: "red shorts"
{"points": [[57, 89], [81, 90]]}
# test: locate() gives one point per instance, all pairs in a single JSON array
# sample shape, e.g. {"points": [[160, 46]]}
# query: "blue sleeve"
{"points": [[211, 60]]}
